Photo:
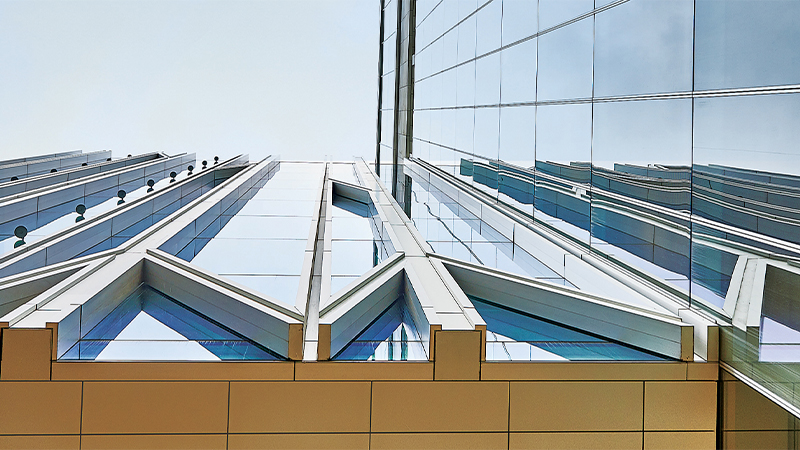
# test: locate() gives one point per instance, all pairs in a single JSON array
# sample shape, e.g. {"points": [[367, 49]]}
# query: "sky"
{"points": [[296, 78]]}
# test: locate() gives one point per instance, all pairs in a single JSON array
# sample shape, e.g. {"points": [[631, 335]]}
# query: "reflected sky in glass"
{"points": [[565, 62], [643, 47], [150, 326], [262, 249], [753, 132], [746, 43]]}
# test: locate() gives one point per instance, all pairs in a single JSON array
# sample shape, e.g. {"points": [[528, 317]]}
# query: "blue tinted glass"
{"points": [[519, 19], [392, 336], [518, 73], [641, 161], [489, 27], [148, 325], [516, 336]]}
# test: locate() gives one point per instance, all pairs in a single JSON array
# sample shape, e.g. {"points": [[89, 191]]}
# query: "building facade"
{"points": [[579, 231], [657, 137]]}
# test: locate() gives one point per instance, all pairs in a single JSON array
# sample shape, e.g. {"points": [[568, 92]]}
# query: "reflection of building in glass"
{"points": [[581, 230], [655, 141]]}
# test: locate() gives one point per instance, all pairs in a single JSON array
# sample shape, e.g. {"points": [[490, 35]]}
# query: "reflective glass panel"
{"points": [[565, 62], [747, 43], [519, 19], [150, 326], [643, 47], [518, 135], [514, 336], [487, 80], [563, 156], [489, 27], [518, 73], [554, 12], [264, 244], [393, 336]]}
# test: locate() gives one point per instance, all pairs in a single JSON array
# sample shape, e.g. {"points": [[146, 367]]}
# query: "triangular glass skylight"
{"points": [[150, 326], [515, 336], [393, 336]]}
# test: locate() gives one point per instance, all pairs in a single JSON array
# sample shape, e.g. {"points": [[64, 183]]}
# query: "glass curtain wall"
{"points": [[388, 60], [659, 134]]}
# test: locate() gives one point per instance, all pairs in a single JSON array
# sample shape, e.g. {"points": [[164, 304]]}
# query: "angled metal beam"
{"points": [[77, 238], [15, 207], [647, 329], [49, 179], [352, 311], [38, 165]]}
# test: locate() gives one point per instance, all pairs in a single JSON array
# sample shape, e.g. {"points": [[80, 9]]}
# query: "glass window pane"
{"points": [[554, 12], [641, 160], [519, 19], [487, 128], [465, 80], [489, 27], [466, 39], [747, 43], [749, 132], [487, 80], [563, 156], [450, 49], [644, 47], [465, 126], [518, 73], [565, 62], [517, 135], [449, 88], [642, 133]]}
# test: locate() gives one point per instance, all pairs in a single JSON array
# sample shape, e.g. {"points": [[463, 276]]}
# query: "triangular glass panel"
{"points": [[393, 336], [516, 336], [151, 326]]}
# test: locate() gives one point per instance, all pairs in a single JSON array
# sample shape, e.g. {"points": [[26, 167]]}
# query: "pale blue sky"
{"points": [[294, 77]]}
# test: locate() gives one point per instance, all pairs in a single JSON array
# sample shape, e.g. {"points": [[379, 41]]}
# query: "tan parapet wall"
{"points": [[332, 404]]}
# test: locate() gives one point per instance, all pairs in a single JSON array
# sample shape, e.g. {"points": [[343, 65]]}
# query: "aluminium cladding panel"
{"points": [[8, 162], [418, 315], [61, 196], [86, 306], [43, 166], [16, 209], [131, 175], [91, 234], [74, 244], [189, 191], [358, 313], [661, 335], [247, 317]]}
